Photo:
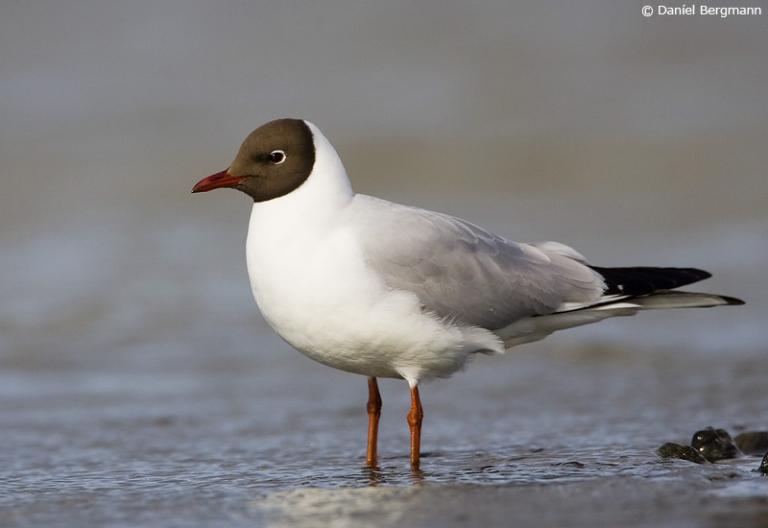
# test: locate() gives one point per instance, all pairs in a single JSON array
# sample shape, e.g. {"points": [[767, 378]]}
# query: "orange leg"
{"points": [[415, 416], [374, 412]]}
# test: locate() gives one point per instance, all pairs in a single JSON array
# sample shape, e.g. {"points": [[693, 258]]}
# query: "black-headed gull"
{"points": [[386, 290]]}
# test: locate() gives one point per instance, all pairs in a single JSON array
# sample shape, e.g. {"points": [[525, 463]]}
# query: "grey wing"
{"points": [[463, 273]]}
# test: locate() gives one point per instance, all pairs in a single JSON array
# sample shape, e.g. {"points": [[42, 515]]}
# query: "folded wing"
{"points": [[465, 274]]}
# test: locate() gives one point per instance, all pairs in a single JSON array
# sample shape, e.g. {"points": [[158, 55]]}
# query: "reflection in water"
{"points": [[374, 475], [418, 477]]}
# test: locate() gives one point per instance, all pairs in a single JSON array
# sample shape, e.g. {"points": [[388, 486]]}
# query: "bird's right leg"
{"points": [[374, 412]]}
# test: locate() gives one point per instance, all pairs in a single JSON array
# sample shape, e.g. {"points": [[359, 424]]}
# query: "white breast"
{"points": [[316, 291]]}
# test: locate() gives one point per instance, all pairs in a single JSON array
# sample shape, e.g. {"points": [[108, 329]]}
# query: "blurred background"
{"points": [[124, 301]]}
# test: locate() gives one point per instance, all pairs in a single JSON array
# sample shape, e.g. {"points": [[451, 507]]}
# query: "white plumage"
{"points": [[385, 290]]}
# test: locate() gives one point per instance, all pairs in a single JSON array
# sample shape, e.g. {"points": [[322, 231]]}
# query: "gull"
{"points": [[385, 290]]}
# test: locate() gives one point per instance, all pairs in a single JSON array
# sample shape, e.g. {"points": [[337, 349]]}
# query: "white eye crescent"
{"points": [[277, 157]]}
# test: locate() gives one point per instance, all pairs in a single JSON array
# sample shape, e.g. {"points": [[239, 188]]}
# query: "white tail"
{"points": [[538, 327]]}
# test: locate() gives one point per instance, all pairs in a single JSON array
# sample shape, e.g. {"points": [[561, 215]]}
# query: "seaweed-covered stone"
{"points": [[763, 469], [714, 444], [672, 450], [752, 442]]}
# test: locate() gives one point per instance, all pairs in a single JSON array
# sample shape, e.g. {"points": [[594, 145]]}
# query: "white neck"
{"points": [[324, 193]]}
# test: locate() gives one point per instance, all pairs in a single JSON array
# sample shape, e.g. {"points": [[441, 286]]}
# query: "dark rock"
{"points": [[672, 450], [752, 442], [714, 444], [763, 469]]}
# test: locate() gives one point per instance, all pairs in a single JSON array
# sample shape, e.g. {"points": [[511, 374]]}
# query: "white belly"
{"points": [[316, 291]]}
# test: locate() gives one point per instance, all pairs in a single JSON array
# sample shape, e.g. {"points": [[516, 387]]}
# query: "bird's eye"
{"points": [[277, 157]]}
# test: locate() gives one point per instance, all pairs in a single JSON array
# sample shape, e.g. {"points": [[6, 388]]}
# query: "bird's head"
{"points": [[274, 159]]}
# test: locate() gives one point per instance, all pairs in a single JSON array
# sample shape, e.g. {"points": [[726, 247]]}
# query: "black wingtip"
{"points": [[732, 301], [642, 280]]}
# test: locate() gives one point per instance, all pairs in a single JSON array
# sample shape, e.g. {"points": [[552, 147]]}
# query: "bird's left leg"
{"points": [[374, 412], [415, 416]]}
